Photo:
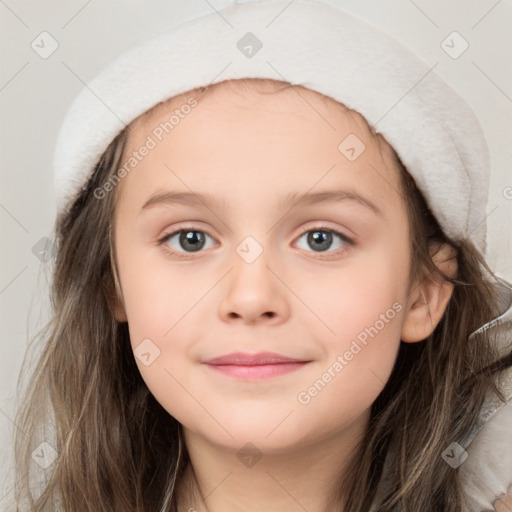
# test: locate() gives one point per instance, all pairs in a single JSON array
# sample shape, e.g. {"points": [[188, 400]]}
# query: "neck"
{"points": [[302, 478]]}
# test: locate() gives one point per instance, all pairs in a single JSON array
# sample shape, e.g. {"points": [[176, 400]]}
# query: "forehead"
{"points": [[272, 96], [261, 130]]}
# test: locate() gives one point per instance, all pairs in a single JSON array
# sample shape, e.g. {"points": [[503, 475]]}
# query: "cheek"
{"points": [[160, 331], [368, 291], [157, 295], [362, 314], [358, 362], [166, 309]]}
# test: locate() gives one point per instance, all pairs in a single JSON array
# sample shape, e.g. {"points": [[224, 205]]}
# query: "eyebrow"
{"points": [[292, 199]]}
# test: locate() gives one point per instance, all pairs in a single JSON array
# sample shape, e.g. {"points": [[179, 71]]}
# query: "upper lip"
{"points": [[262, 358]]}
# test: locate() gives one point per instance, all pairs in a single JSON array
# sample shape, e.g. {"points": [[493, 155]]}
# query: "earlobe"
{"points": [[116, 305], [119, 312], [428, 301]]}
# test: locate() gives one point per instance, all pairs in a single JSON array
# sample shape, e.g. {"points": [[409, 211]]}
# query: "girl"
{"points": [[204, 353]]}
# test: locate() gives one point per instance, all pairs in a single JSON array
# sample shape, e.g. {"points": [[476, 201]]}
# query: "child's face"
{"points": [[340, 309]]}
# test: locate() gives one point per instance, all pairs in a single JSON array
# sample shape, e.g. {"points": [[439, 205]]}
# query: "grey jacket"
{"points": [[485, 456]]}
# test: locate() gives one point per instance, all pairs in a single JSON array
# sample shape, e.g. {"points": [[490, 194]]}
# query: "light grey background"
{"points": [[35, 94]]}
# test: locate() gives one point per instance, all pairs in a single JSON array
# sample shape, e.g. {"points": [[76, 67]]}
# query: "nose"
{"points": [[254, 293]]}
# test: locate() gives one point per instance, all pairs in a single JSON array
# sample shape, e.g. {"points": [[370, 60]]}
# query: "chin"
{"points": [[268, 434]]}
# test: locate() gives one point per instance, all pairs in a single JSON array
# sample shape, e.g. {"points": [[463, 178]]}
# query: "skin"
{"points": [[504, 504], [249, 150]]}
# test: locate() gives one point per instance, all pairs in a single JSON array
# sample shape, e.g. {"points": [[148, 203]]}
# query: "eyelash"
{"points": [[322, 228]]}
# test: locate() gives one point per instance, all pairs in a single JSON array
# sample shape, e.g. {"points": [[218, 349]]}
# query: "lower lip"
{"points": [[263, 371]]}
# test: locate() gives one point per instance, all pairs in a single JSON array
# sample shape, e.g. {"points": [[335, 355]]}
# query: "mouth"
{"points": [[255, 366]]}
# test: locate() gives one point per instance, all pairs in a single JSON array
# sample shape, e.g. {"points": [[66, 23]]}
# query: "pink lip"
{"points": [[255, 366]]}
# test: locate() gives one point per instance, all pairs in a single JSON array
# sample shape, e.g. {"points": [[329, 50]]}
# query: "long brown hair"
{"points": [[118, 449]]}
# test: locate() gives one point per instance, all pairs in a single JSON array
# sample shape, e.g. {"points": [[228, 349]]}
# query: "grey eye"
{"points": [[189, 240], [320, 240]]}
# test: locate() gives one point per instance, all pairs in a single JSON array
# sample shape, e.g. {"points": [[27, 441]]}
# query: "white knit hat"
{"points": [[306, 42]]}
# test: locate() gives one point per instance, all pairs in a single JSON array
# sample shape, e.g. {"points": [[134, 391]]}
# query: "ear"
{"points": [[113, 289], [428, 299], [118, 311], [116, 305]]}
